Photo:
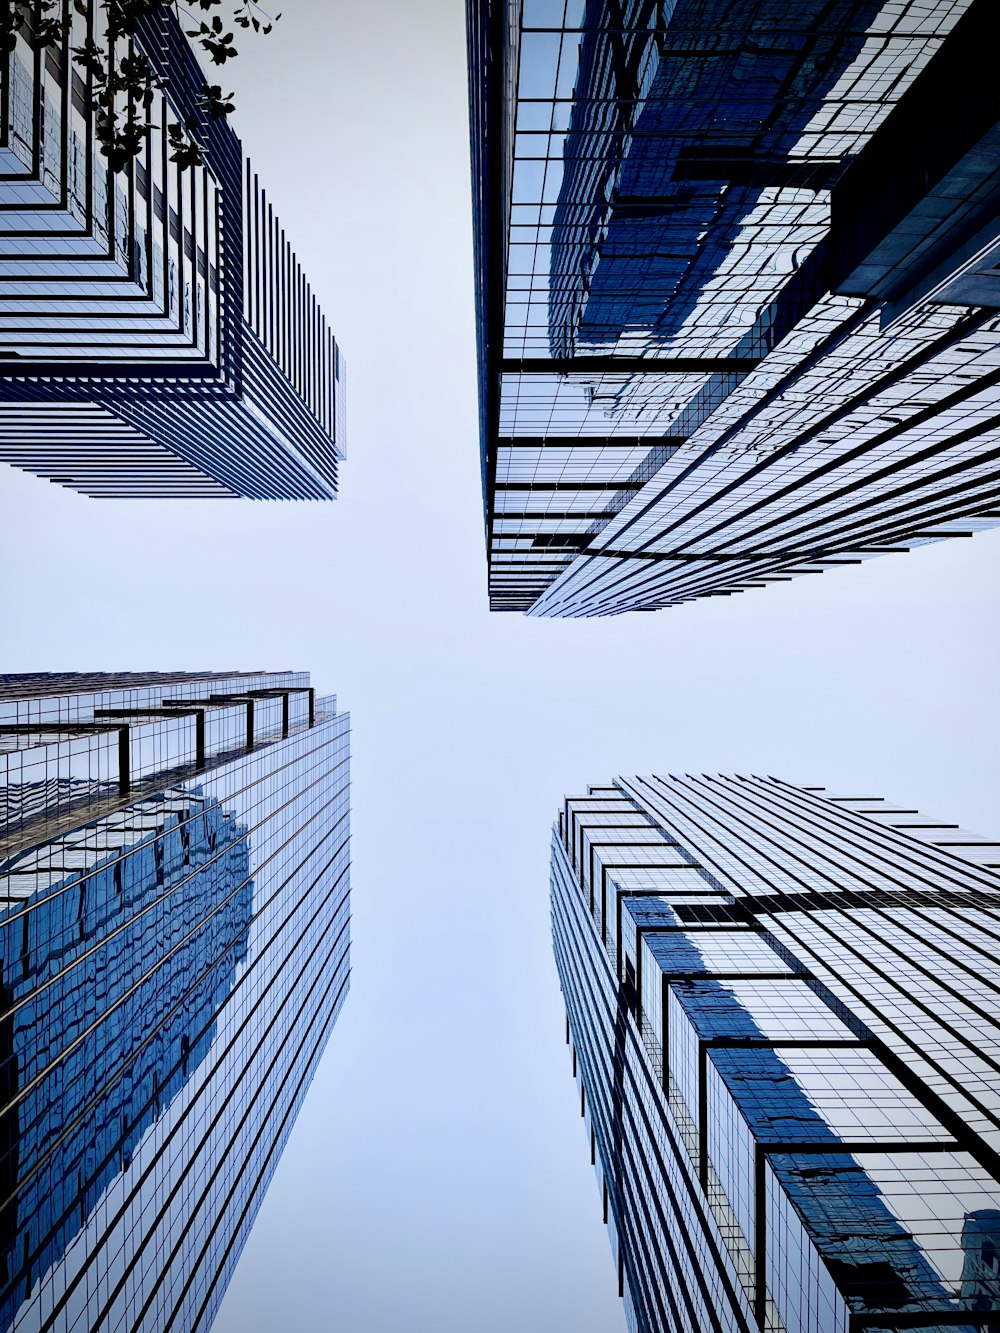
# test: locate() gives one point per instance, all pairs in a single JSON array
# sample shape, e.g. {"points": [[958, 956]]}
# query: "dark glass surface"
{"points": [[96, 1048]]}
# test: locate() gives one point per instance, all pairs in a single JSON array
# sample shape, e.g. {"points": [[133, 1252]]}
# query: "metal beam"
{"points": [[82, 729], [629, 365], [197, 713], [612, 486], [588, 441]]}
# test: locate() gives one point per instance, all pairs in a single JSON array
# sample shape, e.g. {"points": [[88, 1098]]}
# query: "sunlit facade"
{"points": [[784, 1012], [175, 946], [157, 334], [737, 297]]}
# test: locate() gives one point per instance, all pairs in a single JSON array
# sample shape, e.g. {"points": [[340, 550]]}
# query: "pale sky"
{"points": [[438, 1177]]}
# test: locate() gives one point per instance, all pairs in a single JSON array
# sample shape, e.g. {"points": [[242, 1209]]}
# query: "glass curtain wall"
{"points": [[784, 1018], [735, 314], [172, 959]]}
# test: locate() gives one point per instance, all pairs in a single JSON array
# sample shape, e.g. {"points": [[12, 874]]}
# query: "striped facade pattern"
{"points": [[161, 310]]}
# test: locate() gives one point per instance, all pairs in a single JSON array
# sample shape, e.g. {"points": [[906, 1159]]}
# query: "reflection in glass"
{"points": [[722, 251], [981, 1274], [114, 971]]}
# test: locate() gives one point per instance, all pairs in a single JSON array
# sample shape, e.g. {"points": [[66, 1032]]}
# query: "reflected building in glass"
{"points": [[738, 303], [784, 1011], [174, 951], [158, 336]]}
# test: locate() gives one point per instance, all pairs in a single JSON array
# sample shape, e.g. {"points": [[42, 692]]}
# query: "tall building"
{"points": [[174, 951], [157, 334], [737, 298], [784, 1010]]}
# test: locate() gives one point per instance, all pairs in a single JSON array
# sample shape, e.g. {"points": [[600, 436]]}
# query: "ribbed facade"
{"points": [[174, 951], [737, 295], [784, 1012], [157, 334]]}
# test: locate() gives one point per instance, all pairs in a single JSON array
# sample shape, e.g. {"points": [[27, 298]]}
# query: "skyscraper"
{"points": [[174, 944], [737, 299], [784, 1012], [157, 334]]}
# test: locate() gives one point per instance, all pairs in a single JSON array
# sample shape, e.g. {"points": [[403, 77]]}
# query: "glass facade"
{"points": [[174, 951], [157, 334], [783, 1009], [737, 296]]}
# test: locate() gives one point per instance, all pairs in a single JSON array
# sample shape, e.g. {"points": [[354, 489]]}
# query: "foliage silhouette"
{"points": [[122, 80]]}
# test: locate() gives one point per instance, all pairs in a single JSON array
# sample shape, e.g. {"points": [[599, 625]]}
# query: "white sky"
{"points": [[438, 1177]]}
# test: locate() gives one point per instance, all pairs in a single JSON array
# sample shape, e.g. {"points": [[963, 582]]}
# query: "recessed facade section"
{"points": [[782, 1007]]}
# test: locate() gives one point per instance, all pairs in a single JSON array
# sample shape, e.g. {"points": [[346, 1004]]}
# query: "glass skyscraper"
{"points": [[157, 334], [738, 302], [174, 951], [782, 1003]]}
